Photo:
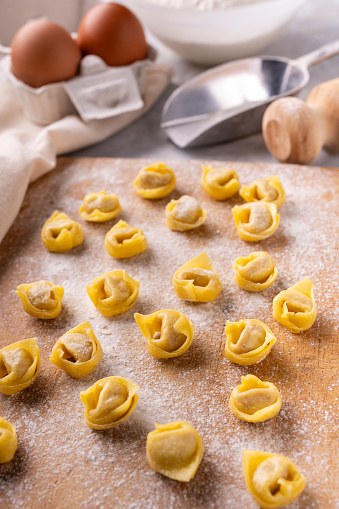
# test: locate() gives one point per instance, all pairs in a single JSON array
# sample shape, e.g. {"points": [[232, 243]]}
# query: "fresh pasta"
{"points": [[8, 441], [124, 241], [78, 352], [184, 214], [19, 366], [273, 480], [175, 450], [255, 221], [255, 272], [168, 332], [41, 299], [197, 280], [100, 207], [109, 402], [248, 341], [60, 233], [220, 183], [295, 308], [154, 182], [269, 190]]}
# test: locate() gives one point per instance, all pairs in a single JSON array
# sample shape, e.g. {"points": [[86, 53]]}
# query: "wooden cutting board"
{"points": [[60, 462]]}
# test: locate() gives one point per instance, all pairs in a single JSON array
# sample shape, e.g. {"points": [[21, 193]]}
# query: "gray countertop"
{"points": [[315, 24]]}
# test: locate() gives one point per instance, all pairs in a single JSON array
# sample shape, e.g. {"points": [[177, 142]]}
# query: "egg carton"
{"points": [[98, 92]]}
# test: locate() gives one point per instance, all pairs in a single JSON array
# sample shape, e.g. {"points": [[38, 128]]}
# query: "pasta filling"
{"points": [[167, 337], [298, 302], [113, 288], [77, 348], [102, 202], [16, 361], [123, 234], [252, 337], [267, 477], [259, 219], [112, 396], [187, 210], [257, 270], [265, 190], [153, 179], [41, 296], [200, 277], [249, 402]]}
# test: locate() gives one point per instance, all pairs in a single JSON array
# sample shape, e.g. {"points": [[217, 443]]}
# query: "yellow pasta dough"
{"points": [[197, 280], [272, 479], [100, 207], [255, 272], [19, 366], [113, 293], [154, 182], [184, 214], [109, 402], [219, 183], [175, 450], [60, 233], [248, 341], [256, 221], [8, 441], [295, 308], [254, 400], [41, 299], [267, 189], [124, 241], [168, 332], [78, 351]]}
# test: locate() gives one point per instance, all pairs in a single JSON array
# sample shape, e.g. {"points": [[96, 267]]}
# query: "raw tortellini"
{"points": [[254, 400], [100, 207], [154, 182], [19, 366], [124, 241], [41, 299], [60, 233], [267, 189], [168, 332], [272, 479], [248, 341], [255, 272], [8, 441], [295, 308], [78, 351], [175, 450], [109, 402], [220, 183], [255, 221], [197, 280], [184, 214], [113, 293]]}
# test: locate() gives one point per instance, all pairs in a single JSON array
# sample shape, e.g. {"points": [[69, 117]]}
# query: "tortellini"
{"points": [[184, 214], [154, 182], [267, 189], [295, 308], [78, 351], [114, 292], [8, 441], [168, 332], [124, 241], [272, 479], [256, 221], [197, 280], [19, 366], [254, 400], [248, 341], [100, 207], [41, 299], [60, 233], [220, 183], [175, 450], [255, 272], [109, 402]]}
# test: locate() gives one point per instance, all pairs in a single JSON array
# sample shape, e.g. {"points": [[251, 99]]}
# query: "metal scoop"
{"points": [[228, 101]]}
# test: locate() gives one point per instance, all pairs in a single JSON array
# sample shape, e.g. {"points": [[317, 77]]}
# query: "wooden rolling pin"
{"points": [[295, 131]]}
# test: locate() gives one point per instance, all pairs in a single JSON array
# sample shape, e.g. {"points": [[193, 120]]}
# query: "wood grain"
{"points": [[60, 462]]}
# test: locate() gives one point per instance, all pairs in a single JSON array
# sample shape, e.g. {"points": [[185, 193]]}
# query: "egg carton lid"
{"points": [[96, 93]]}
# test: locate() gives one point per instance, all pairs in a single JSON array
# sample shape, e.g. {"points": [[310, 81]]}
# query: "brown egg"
{"points": [[112, 32], [44, 52]]}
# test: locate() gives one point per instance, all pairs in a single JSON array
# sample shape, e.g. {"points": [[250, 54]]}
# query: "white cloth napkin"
{"points": [[28, 150]]}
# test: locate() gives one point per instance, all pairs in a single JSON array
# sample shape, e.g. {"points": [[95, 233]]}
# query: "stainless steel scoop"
{"points": [[228, 101]]}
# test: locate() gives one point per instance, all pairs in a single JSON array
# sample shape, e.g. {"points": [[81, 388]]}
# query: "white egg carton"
{"points": [[97, 92]]}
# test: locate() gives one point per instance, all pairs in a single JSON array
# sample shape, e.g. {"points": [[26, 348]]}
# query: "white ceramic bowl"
{"points": [[212, 37]]}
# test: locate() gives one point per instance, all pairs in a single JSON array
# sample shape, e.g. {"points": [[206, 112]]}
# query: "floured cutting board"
{"points": [[60, 462]]}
